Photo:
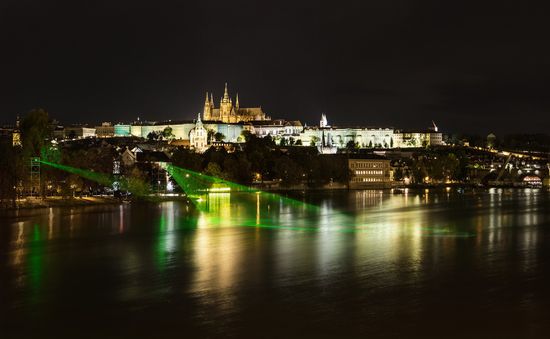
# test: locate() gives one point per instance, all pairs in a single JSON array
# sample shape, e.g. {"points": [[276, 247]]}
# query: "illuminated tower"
{"points": [[208, 106], [323, 123], [434, 128], [16, 136], [198, 136], [226, 106], [229, 112]]}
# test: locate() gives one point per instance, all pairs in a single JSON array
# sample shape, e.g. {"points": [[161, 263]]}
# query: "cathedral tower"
{"points": [[208, 106], [226, 105], [229, 112]]}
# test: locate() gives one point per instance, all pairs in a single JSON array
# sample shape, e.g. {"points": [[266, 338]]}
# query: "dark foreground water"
{"points": [[352, 264]]}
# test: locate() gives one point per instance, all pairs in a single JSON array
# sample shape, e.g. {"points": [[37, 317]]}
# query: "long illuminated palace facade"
{"points": [[231, 121]]}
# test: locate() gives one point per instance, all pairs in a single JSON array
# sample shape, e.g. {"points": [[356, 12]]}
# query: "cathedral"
{"points": [[229, 113]]}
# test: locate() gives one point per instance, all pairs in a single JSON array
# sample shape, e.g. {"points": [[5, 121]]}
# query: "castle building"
{"points": [[329, 138], [229, 112]]}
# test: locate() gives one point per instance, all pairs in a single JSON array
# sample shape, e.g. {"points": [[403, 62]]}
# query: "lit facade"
{"points": [[229, 112], [198, 137], [275, 128], [366, 137], [106, 130], [339, 137], [369, 172], [78, 132], [181, 131]]}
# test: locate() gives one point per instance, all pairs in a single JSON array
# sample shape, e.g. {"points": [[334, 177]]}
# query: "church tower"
{"points": [[226, 105], [208, 106], [323, 123], [198, 136], [16, 136], [230, 111]]}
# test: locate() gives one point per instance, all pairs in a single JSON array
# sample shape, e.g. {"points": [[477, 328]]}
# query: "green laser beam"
{"points": [[193, 178], [102, 178], [98, 177]]}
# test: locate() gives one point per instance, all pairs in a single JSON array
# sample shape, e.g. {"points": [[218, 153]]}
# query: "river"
{"points": [[426, 263]]}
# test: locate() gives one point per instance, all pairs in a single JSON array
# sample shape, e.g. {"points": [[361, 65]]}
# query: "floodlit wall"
{"points": [[122, 130], [339, 137], [180, 131]]}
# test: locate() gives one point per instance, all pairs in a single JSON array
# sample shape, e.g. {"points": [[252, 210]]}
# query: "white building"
{"points": [[198, 136], [275, 128], [73, 132], [367, 137]]}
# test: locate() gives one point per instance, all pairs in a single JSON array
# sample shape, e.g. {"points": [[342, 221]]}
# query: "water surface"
{"points": [[345, 264]]}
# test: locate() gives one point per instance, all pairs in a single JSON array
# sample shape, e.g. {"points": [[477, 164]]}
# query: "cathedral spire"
{"points": [[212, 100], [237, 101], [206, 100], [226, 93]]}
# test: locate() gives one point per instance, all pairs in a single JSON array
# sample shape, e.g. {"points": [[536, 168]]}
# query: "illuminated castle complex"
{"points": [[229, 113]]}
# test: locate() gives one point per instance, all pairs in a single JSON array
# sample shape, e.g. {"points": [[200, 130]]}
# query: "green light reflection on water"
{"points": [[35, 263], [236, 210], [195, 183]]}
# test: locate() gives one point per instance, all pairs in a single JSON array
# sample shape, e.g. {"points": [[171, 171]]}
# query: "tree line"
{"points": [[261, 160]]}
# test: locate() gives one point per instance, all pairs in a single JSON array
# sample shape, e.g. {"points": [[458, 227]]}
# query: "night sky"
{"points": [[470, 66]]}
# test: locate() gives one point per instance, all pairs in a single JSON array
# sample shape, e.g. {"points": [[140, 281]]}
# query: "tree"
{"points": [[370, 144], [11, 170], [187, 159], [136, 183], [282, 142], [153, 136], [314, 140], [35, 130], [237, 168], [246, 135], [288, 171], [419, 170], [76, 184], [210, 135], [214, 170], [334, 168], [398, 174], [351, 146], [298, 142], [167, 133], [219, 136], [50, 153]]}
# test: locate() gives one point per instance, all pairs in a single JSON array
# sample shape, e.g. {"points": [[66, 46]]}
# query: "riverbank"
{"points": [[47, 202], [369, 186], [34, 203], [61, 202]]}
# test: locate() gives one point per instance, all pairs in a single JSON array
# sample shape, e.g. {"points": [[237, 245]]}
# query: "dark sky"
{"points": [[470, 66]]}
